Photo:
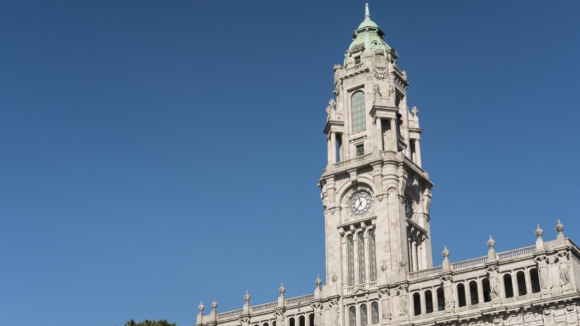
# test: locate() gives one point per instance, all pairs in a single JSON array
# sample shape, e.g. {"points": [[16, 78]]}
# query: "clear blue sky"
{"points": [[158, 153]]}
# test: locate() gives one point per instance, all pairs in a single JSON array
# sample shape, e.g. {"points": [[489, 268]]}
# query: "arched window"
{"points": [[417, 303], [292, 322], [361, 257], [375, 312], [358, 111], [535, 280], [473, 292], [507, 281], [372, 255], [363, 315], [265, 324], [428, 302], [521, 279], [486, 290], [302, 321], [440, 299], [461, 294], [352, 316], [274, 323], [311, 319], [350, 250]]}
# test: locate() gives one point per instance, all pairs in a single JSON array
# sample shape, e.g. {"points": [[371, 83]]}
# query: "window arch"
{"points": [[372, 255], [417, 303], [363, 315], [352, 316], [428, 302], [375, 312], [361, 258], [358, 111], [350, 254], [461, 295]]}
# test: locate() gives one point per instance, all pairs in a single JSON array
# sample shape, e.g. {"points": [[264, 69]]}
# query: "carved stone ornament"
{"points": [[448, 292], [386, 305], [544, 272], [282, 289], [334, 277], [200, 307], [564, 268], [380, 66], [408, 206], [494, 282], [245, 320], [539, 232], [331, 105], [403, 300], [214, 304], [334, 312]]}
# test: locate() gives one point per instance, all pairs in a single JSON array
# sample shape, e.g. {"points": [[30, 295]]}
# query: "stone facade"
{"points": [[376, 199]]}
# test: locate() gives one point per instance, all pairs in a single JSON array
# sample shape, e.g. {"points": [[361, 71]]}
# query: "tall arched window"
{"points": [[361, 258], [350, 254], [375, 312], [358, 111], [372, 255], [363, 315], [352, 316]]}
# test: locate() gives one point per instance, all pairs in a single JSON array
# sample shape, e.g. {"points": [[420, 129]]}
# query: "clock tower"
{"points": [[375, 192]]}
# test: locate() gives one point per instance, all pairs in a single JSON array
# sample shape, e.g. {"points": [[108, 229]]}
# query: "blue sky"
{"points": [[154, 154]]}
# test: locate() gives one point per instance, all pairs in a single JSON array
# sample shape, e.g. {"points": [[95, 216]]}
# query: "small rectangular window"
{"points": [[360, 150], [356, 60]]}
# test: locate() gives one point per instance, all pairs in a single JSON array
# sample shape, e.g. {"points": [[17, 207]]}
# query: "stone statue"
{"points": [[390, 91], [448, 291], [555, 271], [280, 320], [337, 80], [544, 272], [376, 92], [386, 305], [334, 314], [494, 283], [403, 301], [564, 271], [330, 106], [404, 73]]}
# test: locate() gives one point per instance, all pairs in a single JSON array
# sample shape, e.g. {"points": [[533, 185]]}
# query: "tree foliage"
{"points": [[147, 322]]}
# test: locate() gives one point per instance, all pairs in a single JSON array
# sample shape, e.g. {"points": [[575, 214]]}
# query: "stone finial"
{"points": [[282, 289], [337, 66], [490, 242], [539, 232], [415, 111], [247, 296], [367, 12], [200, 307], [560, 240], [559, 227], [318, 281], [446, 252], [214, 304]]}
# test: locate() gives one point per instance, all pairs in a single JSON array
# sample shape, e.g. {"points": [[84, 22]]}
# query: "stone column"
{"points": [[418, 152], [480, 291], [333, 147], [528, 281], [415, 254], [379, 134], [329, 149], [394, 138]]}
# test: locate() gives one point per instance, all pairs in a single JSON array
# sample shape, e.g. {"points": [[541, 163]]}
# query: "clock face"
{"points": [[360, 203]]}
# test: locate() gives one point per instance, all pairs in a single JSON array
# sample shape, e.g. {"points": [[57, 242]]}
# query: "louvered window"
{"points": [[358, 111], [350, 253], [361, 258], [372, 255]]}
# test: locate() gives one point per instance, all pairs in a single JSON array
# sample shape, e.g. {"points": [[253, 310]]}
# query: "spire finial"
{"points": [[367, 13]]}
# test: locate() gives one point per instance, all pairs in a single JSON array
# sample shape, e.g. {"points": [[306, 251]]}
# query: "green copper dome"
{"points": [[369, 34]]}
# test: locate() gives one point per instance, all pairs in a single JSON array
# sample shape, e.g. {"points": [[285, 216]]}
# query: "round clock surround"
{"points": [[360, 203]]}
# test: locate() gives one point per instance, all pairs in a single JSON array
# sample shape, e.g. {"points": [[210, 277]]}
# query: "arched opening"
{"points": [[508, 287], [473, 295], [535, 280], [363, 315], [372, 255], [352, 316], [417, 303], [486, 290], [461, 295], [302, 320], [274, 323], [350, 258], [358, 111], [361, 258], [521, 280], [292, 322], [428, 302], [375, 313], [265, 324], [440, 300], [311, 319]]}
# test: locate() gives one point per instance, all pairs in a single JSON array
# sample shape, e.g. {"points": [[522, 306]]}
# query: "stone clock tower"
{"points": [[375, 193], [376, 197]]}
